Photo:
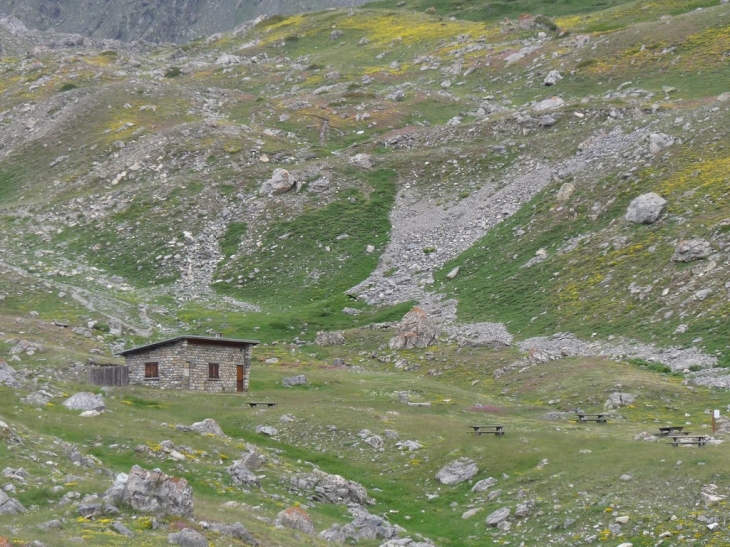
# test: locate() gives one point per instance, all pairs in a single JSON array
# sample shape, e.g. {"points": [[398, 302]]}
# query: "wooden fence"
{"points": [[109, 375]]}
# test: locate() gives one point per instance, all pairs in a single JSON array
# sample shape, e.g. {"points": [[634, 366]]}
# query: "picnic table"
{"points": [[664, 431], [253, 404], [598, 418], [494, 429], [687, 438]]}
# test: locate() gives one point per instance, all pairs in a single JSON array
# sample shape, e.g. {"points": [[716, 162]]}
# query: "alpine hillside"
{"points": [[547, 182]]}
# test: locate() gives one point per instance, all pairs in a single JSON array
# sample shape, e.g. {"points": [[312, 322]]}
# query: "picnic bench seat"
{"points": [[253, 404], [667, 430], [494, 429], [598, 418], [686, 438]]}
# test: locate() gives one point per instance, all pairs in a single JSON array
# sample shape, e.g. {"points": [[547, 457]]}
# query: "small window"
{"points": [[213, 370], [151, 370]]}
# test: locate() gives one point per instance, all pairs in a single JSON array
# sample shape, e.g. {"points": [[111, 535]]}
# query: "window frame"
{"points": [[151, 368], [214, 371]]}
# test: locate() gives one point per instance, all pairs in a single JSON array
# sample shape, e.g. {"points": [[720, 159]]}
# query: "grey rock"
{"points": [[50, 525], [409, 445], [453, 273], [566, 190], [494, 494], [85, 401], [237, 531], [281, 181], [253, 460], [498, 516], [291, 381], [490, 335], [10, 506], [547, 120], [119, 528], [8, 376], [415, 330], [295, 518], [645, 209], [38, 400], [524, 509], [457, 472], [552, 78], [155, 493], [548, 104], [330, 488], [113, 496], [242, 475], [617, 400], [364, 527], [376, 441], [363, 161], [334, 338], [689, 250], [659, 141], [188, 538], [267, 430], [484, 484], [88, 510], [208, 427]]}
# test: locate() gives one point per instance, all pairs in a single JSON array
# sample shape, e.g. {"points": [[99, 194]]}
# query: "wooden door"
{"points": [[239, 377]]}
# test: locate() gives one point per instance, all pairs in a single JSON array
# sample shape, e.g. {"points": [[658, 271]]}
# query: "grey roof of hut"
{"points": [[207, 339]]}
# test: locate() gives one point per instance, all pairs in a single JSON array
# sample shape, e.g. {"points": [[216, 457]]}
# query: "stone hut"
{"points": [[198, 363]]}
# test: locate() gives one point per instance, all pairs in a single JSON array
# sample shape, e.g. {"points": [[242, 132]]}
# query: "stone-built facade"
{"points": [[198, 363]]}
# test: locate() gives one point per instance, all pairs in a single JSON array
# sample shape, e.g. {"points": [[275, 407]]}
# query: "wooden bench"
{"points": [[251, 404], [598, 418], [494, 429], [686, 438], [664, 431]]}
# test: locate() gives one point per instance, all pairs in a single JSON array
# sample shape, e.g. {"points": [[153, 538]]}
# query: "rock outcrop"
{"points": [[645, 209], [155, 493], [85, 401], [416, 330], [457, 472], [330, 488]]}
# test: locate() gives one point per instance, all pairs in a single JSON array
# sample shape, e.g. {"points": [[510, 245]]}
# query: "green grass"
{"points": [[309, 262]]}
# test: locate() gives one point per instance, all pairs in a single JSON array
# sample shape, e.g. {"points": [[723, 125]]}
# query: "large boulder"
{"points": [[334, 338], [688, 250], [208, 427], [416, 330], [646, 208], [295, 518], [330, 488], [9, 506], [242, 475], [85, 401], [548, 104], [8, 376], [291, 381], [363, 161], [484, 484], [659, 141], [457, 472], [617, 400], [237, 531], [188, 537], [281, 182], [155, 493], [364, 527], [498, 516]]}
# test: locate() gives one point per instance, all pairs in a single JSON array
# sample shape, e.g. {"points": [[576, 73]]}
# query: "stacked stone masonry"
{"points": [[184, 363]]}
